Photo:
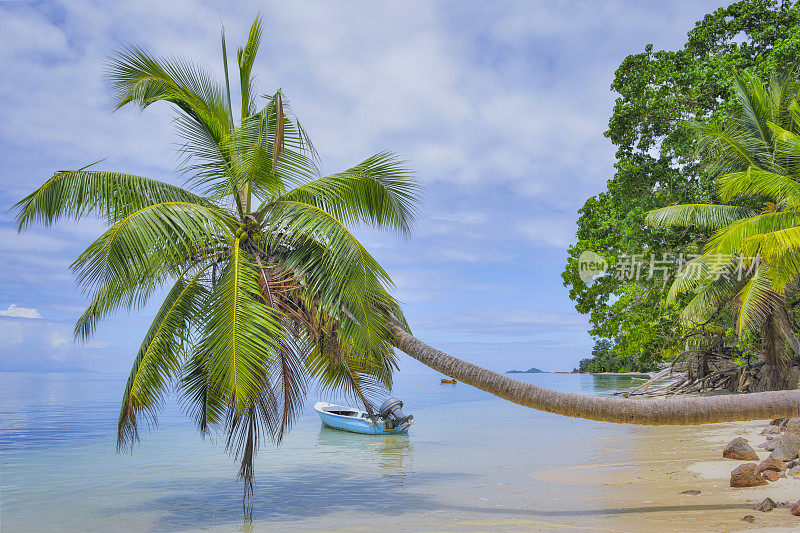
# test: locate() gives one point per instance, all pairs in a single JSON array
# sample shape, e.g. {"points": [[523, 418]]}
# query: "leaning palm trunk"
{"points": [[672, 411]]}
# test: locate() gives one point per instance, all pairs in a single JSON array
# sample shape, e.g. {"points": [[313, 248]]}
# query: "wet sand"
{"points": [[644, 494]]}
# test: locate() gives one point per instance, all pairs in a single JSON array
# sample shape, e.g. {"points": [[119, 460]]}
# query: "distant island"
{"points": [[529, 371]]}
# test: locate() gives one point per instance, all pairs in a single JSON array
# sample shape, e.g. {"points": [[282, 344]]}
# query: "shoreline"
{"points": [[646, 493]]}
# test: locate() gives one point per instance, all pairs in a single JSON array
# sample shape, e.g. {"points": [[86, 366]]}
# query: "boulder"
{"points": [[793, 426], [746, 475], [693, 492], [739, 449], [770, 463], [796, 509], [771, 475], [793, 471], [787, 448], [771, 430], [766, 506], [749, 518], [771, 443]]}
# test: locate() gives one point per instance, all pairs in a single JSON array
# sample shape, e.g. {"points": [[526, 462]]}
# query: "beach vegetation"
{"points": [[605, 358], [753, 251], [659, 163]]}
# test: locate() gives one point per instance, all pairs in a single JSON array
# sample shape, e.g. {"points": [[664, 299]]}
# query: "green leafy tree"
{"points": [[657, 161], [267, 287], [607, 358]]}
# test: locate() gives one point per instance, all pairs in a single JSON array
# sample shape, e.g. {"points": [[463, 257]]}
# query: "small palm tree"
{"points": [[268, 287], [757, 154]]}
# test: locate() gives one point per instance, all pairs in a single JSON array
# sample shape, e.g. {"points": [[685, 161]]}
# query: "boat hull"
{"points": [[352, 424]]}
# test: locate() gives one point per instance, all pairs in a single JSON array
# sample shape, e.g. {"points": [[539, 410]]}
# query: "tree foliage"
{"points": [[751, 256], [659, 161], [605, 358]]}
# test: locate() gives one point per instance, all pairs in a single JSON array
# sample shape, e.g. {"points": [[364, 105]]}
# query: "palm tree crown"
{"points": [[267, 287]]}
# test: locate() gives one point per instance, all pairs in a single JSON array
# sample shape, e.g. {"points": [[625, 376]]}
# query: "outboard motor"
{"points": [[391, 411]]}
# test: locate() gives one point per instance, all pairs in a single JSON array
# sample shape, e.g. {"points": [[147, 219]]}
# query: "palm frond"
{"points": [[756, 182], [344, 255], [203, 159], [787, 149], [172, 230], [290, 384], [242, 336], [783, 268], [343, 372], [757, 107], [785, 326], [246, 428], [772, 245], [245, 56], [137, 76], [159, 357], [696, 272], [206, 404], [120, 292], [109, 195], [709, 298], [378, 191], [728, 148], [756, 302], [728, 240], [706, 216]]}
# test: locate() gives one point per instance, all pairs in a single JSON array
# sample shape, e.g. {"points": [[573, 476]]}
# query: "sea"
{"points": [[470, 462]]}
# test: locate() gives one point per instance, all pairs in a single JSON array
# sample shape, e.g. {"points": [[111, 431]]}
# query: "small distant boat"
{"points": [[452, 381], [389, 420]]}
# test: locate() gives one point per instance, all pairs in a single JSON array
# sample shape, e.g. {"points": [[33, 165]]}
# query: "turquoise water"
{"points": [[470, 461]]}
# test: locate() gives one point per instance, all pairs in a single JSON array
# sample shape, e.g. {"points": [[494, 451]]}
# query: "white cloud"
{"points": [[58, 340], [11, 332], [20, 312], [556, 231], [462, 217], [36, 345]]}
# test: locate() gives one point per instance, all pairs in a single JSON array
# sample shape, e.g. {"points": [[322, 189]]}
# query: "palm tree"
{"points": [[685, 411], [757, 153], [760, 151], [268, 288]]}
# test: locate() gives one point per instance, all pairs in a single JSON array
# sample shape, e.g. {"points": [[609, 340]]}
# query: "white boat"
{"points": [[389, 420]]}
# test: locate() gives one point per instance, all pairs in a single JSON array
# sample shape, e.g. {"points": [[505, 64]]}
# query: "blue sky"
{"points": [[500, 107]]}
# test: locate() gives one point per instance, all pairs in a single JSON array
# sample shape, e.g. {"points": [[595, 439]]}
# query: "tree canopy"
{"points": [[658, 164]]}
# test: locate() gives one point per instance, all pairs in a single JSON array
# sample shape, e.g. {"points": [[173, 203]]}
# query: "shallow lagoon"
{"points": [[472, 461]]}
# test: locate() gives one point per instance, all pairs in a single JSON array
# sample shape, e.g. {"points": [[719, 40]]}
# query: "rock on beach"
{"points": [[787, 448], [771, 463], [746, 475], [766, 506], [739, 449]]}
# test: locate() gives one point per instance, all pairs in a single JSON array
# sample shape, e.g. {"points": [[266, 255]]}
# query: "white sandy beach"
{"points": [[645, 494]]}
